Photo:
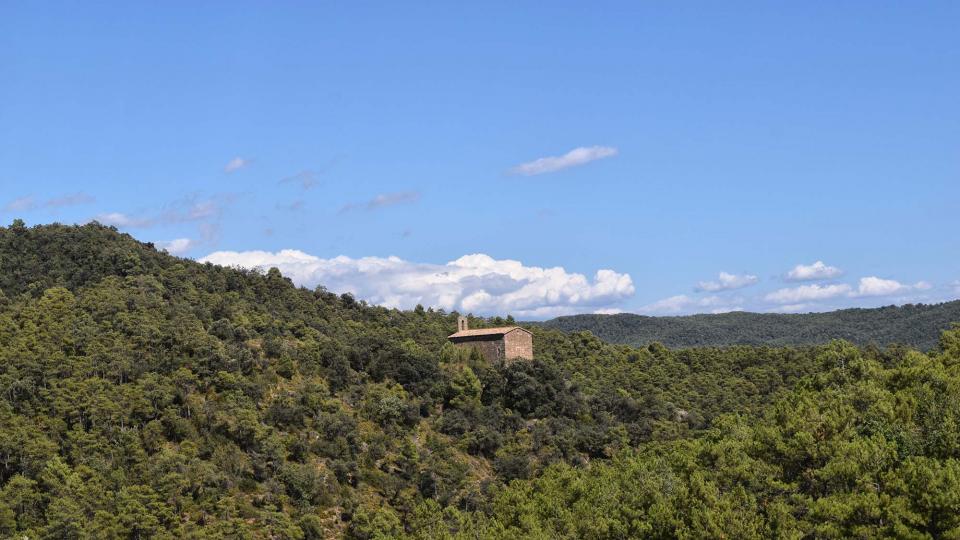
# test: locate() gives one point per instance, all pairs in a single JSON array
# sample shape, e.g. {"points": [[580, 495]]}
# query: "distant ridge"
{"points": [[915, 325]]}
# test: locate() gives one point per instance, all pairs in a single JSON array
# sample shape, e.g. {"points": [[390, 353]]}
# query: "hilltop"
{"points": [[148, 396], [914, 325]]}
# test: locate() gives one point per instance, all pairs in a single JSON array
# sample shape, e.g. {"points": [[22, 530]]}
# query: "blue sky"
{"points": [[689, 139]]}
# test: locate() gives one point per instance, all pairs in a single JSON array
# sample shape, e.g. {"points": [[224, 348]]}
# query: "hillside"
{"points": [[917, 326], [147, 396]]}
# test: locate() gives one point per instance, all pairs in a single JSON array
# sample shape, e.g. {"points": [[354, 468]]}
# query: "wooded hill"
{"points": [[914, 325], [146, 396]]}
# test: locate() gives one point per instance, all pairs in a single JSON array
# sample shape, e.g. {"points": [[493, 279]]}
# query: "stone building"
{"points": [[505, 343]]}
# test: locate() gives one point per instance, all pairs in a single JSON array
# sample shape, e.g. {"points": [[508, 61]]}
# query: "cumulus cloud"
{"points": [[809, 272], [796, 298], [177, 246], [807, 293], [383, 200], [236, 164], [573, 158], [474, 283], [726, 282], [874, 286]]}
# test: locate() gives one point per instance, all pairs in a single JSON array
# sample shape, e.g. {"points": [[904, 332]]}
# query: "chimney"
{"points": [[462, 323]]}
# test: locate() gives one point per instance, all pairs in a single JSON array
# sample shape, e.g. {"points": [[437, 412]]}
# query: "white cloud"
{"points": [[390, 199], [956, 286], [874, 286], [383, 200], [119, 219], [817, 270], [187, 210], [177, 246], [682, 303], [26, 204], [23, 204], [72, 199], [797, 298], [726, 282], [473, 283], [192, 211], [806, 293], [236, 164], [792, 308], [673, 304], [726, 309], [577, 156]]}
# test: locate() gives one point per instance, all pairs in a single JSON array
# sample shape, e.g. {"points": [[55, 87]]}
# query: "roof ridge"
{"points": [[487, 331]]}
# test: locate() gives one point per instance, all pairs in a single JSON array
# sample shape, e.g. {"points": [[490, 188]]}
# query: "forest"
{"points": [[915, 325], [148, 396]]}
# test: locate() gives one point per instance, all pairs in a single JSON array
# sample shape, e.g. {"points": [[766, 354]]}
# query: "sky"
{"points": [[500, 158]]}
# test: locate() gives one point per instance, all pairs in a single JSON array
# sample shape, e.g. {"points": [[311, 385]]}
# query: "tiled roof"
{"points": [[499, 331]]}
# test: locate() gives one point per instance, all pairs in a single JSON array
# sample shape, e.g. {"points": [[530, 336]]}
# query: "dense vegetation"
{"points": [[145, 396], [914, 325]]}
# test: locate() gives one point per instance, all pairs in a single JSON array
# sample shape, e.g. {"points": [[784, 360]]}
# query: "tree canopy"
{"points": [[915, 325], [147, 396]]}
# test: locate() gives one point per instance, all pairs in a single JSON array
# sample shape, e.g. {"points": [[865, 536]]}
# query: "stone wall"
{"points": [[512, 346], [491, 347], [518, 344]]}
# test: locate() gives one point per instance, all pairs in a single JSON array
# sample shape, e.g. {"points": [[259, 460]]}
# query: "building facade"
{"points": [[504, 344]]}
